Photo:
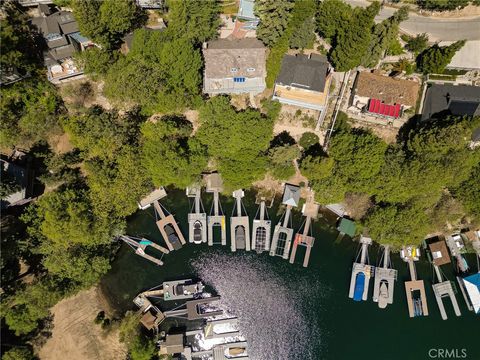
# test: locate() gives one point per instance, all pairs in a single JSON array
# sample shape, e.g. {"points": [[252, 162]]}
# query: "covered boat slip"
{"points": [[415, 289], [361, 273], [261, 229], [385, 277], [197, 218], [239, 224], [216, 218], [303, 238]]}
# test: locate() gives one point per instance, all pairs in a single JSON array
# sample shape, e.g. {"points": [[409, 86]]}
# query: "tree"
{"points": [[303, 25], [384, 34], [281, 160], [236, 139], [8, 184], [352, 44], [18, 353], [469, 192], [274, 16], [417, 44], [195, 20], [95, 61], [308, 139], [169, 154], [435, 59], [333, 16]]}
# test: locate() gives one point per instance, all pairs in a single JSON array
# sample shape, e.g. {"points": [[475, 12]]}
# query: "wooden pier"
{"points": [[141, 244], [310, 211], [415, 289], [197, 218], [261, 229], [216, 217], [385, 277], [239, 224], [362, 272], [283, 232]]}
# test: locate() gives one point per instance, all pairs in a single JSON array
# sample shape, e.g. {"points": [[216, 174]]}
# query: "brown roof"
{"points": [[389, 90], [227, 58], [439, 253]]}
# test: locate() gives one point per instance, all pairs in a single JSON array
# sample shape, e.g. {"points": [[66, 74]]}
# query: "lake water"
{"points": [[289, 312]]}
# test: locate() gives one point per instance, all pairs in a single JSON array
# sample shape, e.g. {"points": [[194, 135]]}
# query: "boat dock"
{"points": [[261, 229], [141, 244], [195, 309], [283, 232], [310, 211], [197, 218], [415, 289], [239, 224], [361, 273], [385, 277], [234, 350], [165, 222], [457, 248], [216, 217], [212, 331]]}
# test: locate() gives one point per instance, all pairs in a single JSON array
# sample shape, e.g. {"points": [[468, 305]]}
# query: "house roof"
{"points": [[303, 72], [62, 52], [291, 195], [439, 253], [389, 90], [347, 227], [44, 9], [246, 9], [19, 174], [60, 22], [228, 58], [451, 99], [58, 41]]}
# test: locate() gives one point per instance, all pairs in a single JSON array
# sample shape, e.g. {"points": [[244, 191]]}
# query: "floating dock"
{"points": [[361, 273], [457, 249], [141, 244], [261, 229], [232, 351], [283, 232], [215, 329], [415, 289], [195, 309], [385, 277], [216, 217], [239, 224], [197, 218], [304, 238], [165, 222]]}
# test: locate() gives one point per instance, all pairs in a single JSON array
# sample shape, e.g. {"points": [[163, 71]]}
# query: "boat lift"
{"points": [[141, 244], [197, 218], [415, 289], [361, 272], [239, 224], [385, 277], [262, 226], [310, 211], [283, 232], [165, 221], [216, 217]]}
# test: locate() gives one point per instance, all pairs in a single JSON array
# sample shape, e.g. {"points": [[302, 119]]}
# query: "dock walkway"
{"points": [[384, 284], [216, 217], [261, 229]]}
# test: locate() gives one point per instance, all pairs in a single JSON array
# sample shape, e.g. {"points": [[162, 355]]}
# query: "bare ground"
{"points": [[75, 336]]}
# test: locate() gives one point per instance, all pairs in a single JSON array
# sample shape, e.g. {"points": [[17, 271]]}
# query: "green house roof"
{"points": [[347, 226]]}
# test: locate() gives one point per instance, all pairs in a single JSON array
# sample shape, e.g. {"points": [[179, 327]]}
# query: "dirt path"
{"points": [[75, 336]]}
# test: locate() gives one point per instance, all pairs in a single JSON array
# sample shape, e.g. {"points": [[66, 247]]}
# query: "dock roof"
{"points": [[301, 71], [347, 227], [439, 252], [291, 195], [389, 90]]}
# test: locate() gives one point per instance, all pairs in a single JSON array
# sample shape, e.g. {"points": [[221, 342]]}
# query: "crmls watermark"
{"points": [[447, 354]]}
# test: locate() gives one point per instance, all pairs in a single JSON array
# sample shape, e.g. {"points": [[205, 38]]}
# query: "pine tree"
{"points": [[274, 16], [436, 58]]}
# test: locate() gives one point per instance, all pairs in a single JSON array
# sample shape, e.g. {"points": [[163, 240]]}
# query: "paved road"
{"points": [[437, 29]]}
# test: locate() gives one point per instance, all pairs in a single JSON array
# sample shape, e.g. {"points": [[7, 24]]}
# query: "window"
{"points": [[251, 69], [234, 70], [239, 79]]}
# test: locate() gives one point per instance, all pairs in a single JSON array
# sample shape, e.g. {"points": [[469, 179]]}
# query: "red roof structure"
{"points": [[376, 106]]}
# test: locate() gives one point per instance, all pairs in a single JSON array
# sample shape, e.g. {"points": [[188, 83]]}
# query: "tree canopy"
{"points": [[435, 59], [274, 16]]}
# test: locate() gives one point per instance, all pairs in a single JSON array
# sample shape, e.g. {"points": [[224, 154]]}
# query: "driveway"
{"points": [[437, 29]]}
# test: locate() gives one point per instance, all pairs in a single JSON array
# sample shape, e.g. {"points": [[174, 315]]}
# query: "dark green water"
{"points": [[299, 313]]}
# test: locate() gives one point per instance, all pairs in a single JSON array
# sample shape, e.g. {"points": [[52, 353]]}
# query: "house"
{"points": [[234, 66], [448, 99], [304, 81], [16, 169], [383, 96], [61, 40], [246, 14]]}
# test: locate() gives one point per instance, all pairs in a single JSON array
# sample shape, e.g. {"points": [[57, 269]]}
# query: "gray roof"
{"points": [[44, 9], [228, 58], [291, 195], [60, 22], [57, 42], [451, 100], [303, 72], [62, 52]]}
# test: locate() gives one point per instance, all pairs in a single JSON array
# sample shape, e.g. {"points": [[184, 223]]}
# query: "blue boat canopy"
{"points": [[359, 286]]}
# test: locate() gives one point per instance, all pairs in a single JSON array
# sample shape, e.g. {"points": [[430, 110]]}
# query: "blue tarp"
{"points": [[359, 286]]}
